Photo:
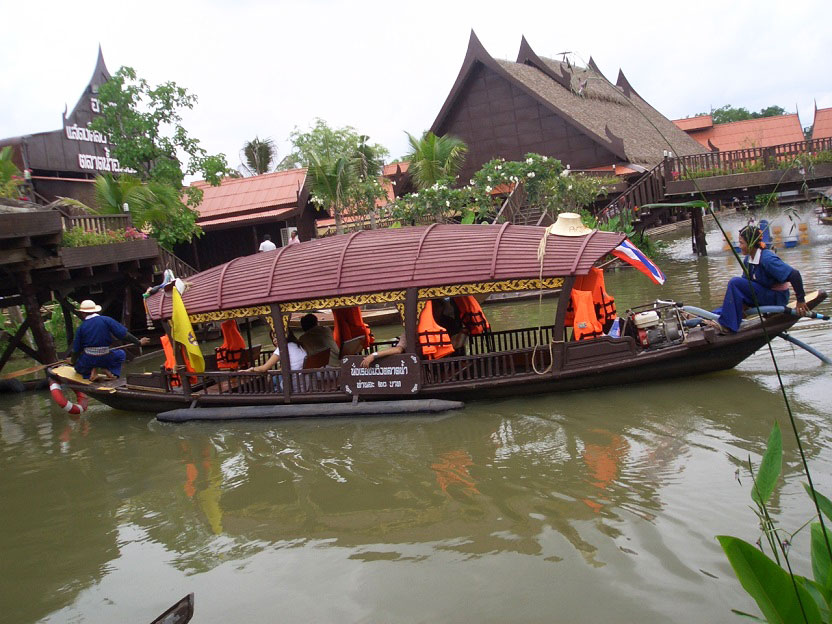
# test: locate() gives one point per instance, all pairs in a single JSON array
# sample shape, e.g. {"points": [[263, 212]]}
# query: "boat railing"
{"points": [[468, 369], [509, 340]]}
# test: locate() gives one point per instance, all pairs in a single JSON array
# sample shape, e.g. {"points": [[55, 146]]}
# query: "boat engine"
{"points": [[658, 327]]}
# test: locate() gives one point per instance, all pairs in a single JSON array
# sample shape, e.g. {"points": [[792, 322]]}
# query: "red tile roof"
{"points": [[763, 132], [699, 122], [392, 259], [395, 168], [250, 198], [823, 124]]}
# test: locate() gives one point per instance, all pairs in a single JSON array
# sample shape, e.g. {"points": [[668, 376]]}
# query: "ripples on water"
{"points": [[590, 506]]}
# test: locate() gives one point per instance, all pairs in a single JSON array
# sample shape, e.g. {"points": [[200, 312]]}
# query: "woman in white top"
{"points": [[297, 355]]}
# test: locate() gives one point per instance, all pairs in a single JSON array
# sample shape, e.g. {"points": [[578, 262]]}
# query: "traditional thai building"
{"points": [[762, 132], [822, 125], [64, 162], [235, 216], [509, 108]]}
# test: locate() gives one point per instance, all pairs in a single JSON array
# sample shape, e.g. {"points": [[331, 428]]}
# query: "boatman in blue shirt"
{"points": [[91, 347], [766, 282]]}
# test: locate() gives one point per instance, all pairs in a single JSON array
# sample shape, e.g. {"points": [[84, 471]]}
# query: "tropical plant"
{"points": [[727, 113], [154, 206], [258, 156], [433, 158], [770, 580], [330, 179], [11, 179]]}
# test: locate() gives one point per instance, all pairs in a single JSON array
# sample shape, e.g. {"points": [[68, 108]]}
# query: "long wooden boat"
{"points": [[408, 267]]}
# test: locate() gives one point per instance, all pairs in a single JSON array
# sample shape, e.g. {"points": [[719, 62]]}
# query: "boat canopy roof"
{"points": [[330, 271]]}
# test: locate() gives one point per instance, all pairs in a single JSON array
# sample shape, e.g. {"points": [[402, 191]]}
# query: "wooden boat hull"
{"points": [[588, 364]]}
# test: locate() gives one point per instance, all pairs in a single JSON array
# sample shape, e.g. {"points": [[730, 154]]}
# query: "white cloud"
{"points": [[261, 68]]}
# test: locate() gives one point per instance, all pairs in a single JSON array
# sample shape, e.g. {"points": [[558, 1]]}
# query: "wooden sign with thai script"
{"points": [[394, 374]]}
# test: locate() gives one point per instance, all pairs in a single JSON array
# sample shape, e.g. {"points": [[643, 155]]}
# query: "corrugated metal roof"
{"points": [[763, 132], [240, 196], [822, 128], [700, 122], [377, 260]]}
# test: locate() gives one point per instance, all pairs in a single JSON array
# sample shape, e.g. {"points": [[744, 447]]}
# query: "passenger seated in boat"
{"points": [[765, 282], [316, 338], [400, 347], [447, 315], [296, 357]]}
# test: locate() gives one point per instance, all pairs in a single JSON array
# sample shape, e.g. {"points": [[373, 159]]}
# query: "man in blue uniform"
{"points": [[765, 282], [91, 347]]}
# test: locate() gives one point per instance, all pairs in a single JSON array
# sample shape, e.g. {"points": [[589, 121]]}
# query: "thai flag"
{"points": [[631, 254]]}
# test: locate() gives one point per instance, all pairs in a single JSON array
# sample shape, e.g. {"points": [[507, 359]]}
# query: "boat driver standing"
{"points": [[91, 346], [765, 282]]}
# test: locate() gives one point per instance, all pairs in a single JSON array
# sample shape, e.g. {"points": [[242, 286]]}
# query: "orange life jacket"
{"points": [[349, 324], [170, 362], [593, 282], [585, 324], [433, 338], [471, 315], [233, 346]]}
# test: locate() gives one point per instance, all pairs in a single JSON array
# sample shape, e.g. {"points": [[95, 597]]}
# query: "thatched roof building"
{"points": [[534, 104]]}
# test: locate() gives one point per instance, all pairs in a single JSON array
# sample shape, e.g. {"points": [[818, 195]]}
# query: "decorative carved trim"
{"points": [[222, 315], [456, 290], [389, 296]]}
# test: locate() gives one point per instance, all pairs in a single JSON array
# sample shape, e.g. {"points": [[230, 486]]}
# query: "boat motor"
{"points": [[657, 327]]}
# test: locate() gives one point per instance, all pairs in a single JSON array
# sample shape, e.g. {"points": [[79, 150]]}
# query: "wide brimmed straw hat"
{"points": [[88, 306], [569, 224]]}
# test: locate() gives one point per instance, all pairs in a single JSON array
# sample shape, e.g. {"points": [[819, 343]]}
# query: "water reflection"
{"points": [[621, 488]]}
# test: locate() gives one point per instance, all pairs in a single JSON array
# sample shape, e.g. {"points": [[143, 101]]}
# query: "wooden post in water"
{"points": [[44, 343], [411, 320], [697, 224]]}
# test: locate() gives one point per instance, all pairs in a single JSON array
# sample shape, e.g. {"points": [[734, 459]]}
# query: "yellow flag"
{"points": [[183, 333]]}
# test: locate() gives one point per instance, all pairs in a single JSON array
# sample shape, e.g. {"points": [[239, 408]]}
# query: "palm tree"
{"points": [[434, 158], [331, 178], [367, 165], [259, 155]]}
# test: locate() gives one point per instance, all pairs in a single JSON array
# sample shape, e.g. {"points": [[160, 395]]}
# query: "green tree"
{"points": [[258, 155], [727, 113], [331, 178], [321, 139], [434, 158], [144, 125]]}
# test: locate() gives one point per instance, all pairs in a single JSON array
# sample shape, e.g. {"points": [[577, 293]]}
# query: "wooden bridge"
{"points": [[716, 176], [36, 269]]}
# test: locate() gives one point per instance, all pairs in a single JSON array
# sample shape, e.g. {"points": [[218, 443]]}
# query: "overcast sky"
{"points": [[262, 68]]}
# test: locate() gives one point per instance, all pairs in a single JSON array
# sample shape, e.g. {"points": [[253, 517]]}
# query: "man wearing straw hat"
{"points": [[91, 347]]}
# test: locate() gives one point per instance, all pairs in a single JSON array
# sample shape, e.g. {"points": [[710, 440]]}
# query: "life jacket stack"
{"points": [[170, 362], [233, 346], [471, 315], [434, 340], [349, 324], [591, 310]]}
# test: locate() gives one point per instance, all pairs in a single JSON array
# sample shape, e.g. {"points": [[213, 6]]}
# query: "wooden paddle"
{"points": [[31, 369]]}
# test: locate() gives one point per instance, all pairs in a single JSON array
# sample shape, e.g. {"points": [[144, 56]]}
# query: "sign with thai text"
{"points": [[394, 374]]}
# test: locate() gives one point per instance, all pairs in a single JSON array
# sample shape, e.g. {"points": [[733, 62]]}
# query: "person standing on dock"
{"points": [[91, 347], [765, 282]]}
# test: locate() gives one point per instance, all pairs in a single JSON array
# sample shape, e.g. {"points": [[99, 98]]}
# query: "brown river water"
{"points": [[593, 506]]}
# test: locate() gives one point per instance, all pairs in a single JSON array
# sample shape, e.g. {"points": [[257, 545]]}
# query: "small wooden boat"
{"points": [[408, 268], [180, 613]]}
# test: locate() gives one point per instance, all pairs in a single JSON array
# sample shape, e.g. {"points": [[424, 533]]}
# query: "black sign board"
{"points": [[394, 374]]}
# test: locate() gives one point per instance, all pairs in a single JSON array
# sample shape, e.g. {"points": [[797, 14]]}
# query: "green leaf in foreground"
{"points": [[818, 593], [769, 470], [768, 584], [824, 503], [821, 565]]}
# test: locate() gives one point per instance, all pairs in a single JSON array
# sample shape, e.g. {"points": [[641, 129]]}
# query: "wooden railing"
{"points": [[473, 368], [98, 223], [744, 160], [509, 340], [648, 189], [179, 267]]}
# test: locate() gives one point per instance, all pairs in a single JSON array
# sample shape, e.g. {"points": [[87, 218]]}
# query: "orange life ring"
{"points": [[65, 404]]}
